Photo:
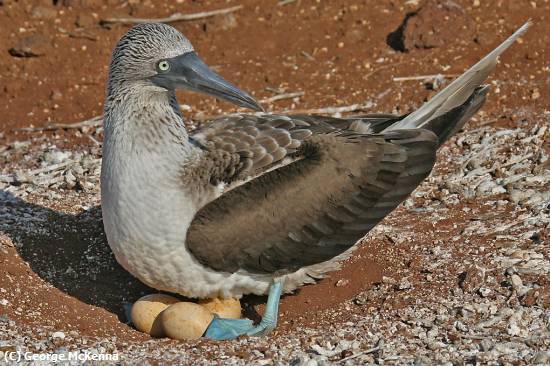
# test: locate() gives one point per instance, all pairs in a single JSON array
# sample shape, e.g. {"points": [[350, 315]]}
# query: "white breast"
{"points": [[146, 214]]}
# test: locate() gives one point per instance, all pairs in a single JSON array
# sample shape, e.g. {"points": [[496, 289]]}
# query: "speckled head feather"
{"points": [[155, 57], [136, 53]]}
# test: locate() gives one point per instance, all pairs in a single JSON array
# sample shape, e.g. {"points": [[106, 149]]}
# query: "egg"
{"points": [[185, 320], [145, 313], [224, 308]]}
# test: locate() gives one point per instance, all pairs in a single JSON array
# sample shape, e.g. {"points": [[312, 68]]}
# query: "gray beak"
{"points": [[189, 72]]}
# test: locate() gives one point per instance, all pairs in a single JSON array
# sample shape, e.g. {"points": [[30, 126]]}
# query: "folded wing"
{"points": [[307, 189]]}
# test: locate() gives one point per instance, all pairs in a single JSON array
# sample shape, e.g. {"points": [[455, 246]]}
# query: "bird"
{"points": [[252, 203]]}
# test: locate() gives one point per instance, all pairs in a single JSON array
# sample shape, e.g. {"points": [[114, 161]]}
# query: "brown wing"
{"points": [[252, 145], [339, 185]]}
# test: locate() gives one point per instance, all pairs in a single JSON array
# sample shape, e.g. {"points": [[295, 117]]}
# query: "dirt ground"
{"points": [[57, 272]]}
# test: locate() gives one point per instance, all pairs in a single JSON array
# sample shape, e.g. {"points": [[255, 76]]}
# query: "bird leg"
{"points": [[271, 313], [224, 329]]}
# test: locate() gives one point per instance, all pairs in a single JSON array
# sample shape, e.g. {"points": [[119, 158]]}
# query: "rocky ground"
{"points": [[457, 275]]}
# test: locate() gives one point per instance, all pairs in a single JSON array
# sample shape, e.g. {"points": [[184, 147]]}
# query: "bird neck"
{"points": [[150, 117]]}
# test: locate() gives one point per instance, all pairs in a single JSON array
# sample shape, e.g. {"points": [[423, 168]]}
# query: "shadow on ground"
{"points": [[70, 252]]}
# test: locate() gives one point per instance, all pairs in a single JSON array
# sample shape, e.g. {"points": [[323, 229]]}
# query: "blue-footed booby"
{"points": [[252, 204]]}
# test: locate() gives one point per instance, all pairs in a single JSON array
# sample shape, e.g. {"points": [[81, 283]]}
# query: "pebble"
{"points": [[513, 329], [58, 335], [223, 22], [482, 159], [341, 283], [404, 284], [537, 296], [361, 299], [85, 20], [461, 326], [541, 358], [30, 46], [430, 26], [486, 345], [43, 12], [516, 282], [311, 362], [422, 361], [56, 95], [472, 279], [484, 291]]}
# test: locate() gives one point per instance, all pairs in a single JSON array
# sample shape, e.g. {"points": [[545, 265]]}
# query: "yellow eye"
{"points": [[163, 66]]}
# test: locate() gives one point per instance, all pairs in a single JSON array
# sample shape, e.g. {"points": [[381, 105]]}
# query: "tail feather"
{"points": [[452, 121], [459, 91]]}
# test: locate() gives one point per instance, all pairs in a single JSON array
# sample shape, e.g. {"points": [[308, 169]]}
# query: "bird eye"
{"points": [[163, 66]]}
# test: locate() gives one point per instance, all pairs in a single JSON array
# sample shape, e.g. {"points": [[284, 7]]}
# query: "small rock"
{"points": [[404, 284], [58, 335], [530, 298], [516, 282], [222, 23], [346, 353], [513, 329], [311, 362], [422, 361], [519, 254], [43, 12], [56, 95], [472, 279], [461, 326], [486, 345], [511, 270], [484, 291], [361, 299], [70, 179], [535, 238], [56, 156], [85, 20], [435, 24], [541, 358], [441, 319], [537, 296], [323, 351], [30, 46], [74, 333], [341, 283]]}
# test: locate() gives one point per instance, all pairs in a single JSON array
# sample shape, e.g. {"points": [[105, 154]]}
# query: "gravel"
{"points": [[462, 300]]}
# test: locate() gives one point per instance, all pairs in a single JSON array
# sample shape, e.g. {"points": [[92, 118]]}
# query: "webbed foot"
{"points": [[224, 329]]}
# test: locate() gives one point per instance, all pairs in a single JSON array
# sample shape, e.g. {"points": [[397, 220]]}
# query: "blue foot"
{"points": [[223, 329]]}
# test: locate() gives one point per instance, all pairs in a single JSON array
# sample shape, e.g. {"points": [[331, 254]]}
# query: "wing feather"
{"points": [[311, 189]]}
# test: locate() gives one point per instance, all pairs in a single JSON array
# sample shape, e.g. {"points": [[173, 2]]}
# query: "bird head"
{"points": [[157, 56]]}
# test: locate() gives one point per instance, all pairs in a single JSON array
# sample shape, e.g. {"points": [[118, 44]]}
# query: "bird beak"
{"points": [[189, 72]]}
